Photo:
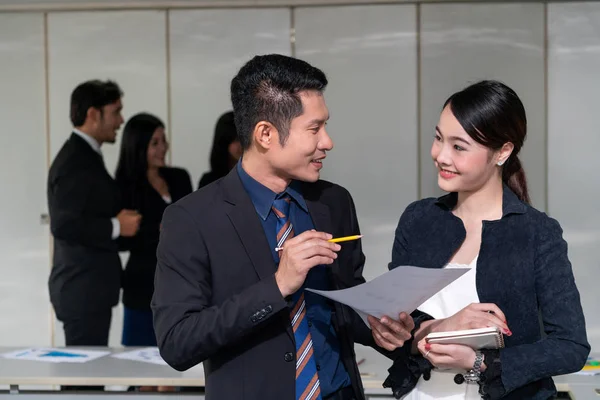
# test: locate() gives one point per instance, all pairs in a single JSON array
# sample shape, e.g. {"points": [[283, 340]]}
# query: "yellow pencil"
{"points": [[334, 240], [345, 238]]}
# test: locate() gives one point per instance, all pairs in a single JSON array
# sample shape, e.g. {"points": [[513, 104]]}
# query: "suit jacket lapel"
{"points": [[247, 225], [321, 217], [81, 145], [250, 231]]}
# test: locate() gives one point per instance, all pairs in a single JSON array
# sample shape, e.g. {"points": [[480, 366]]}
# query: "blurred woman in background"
{"points": [[149, 186], [226, 150]]}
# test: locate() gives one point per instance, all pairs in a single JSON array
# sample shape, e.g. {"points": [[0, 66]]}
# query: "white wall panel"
{"points": [[208, 47], [573, 143], [369, 56], [24, 240], [465, 43]]}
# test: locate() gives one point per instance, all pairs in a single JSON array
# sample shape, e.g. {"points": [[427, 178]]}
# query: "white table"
{"points": [[580, 387], [104, 371], [110, 371]]}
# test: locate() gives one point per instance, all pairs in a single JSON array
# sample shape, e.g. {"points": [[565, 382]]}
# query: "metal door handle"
{"points": [[44, 219]]}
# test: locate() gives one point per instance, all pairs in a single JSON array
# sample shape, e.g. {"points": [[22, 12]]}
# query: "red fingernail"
{"points": [[427, 346], [508, 332]]}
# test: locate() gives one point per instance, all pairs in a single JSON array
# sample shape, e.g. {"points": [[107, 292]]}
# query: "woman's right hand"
{"points": [[473, 316]]}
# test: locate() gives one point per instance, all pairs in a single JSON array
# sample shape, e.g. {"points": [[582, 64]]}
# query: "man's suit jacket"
{"points": [[216, 300], [82, 199]]}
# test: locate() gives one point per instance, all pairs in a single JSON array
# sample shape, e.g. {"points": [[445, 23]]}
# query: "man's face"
{"points": [[301, 157], [110, 121]]}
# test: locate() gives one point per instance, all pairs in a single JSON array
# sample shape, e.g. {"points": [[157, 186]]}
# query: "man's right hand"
{"points": [[299, 255], [129, 221]]}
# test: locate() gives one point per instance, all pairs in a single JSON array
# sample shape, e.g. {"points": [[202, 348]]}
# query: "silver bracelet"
{"points": [[474, 375]]}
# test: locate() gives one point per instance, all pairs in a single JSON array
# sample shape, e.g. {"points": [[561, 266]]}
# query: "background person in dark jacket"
{"points": [[149, 186], [226, 150], [86, 218]]}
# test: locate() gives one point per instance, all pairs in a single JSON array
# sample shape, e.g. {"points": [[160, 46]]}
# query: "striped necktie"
{"points": [[307, 379]]}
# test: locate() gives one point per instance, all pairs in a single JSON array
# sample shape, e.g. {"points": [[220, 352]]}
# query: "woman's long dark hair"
{"points": [[132, 167], [492, 114], [225, 134]]}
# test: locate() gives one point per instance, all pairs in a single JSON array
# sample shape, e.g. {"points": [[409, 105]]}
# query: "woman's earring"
{"points": [[500, 163]]}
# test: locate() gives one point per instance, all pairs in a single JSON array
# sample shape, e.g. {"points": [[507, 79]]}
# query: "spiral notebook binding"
{"points": [[500, 340]]}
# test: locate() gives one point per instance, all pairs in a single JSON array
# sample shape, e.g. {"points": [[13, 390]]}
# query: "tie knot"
{"points": [[281, 206]]}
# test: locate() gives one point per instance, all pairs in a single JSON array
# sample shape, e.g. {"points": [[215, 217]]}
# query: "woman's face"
{"points": [[235, 150], [463, 165], [157, 149]]}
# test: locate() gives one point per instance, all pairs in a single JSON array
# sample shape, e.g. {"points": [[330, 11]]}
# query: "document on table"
{"points": [[149, 355], [56, 355], [591, 367], [402, 289]]}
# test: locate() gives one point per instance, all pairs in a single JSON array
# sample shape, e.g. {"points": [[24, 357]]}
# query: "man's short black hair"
{"points": [[268, 89], [94, 93]]}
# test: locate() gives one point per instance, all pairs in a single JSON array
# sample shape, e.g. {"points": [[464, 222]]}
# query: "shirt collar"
{"points": [[262, 197], [90, 140]]}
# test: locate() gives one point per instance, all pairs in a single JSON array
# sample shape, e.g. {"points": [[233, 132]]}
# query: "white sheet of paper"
{"points": [[56, 355], [404, 288], [149, 355]]}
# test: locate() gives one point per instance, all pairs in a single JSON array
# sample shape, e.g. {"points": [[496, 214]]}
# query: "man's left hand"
{"points": [[390, 333]]}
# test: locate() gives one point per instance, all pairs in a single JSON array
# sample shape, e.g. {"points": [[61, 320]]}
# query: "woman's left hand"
{"points": [[448, 355]]}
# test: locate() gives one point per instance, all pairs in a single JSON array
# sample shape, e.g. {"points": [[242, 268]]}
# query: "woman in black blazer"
{"points": [[518, 259], [148, 186]]}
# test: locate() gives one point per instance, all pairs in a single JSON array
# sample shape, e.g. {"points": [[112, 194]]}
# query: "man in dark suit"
{"points": [[227, 296], [86, 218]]}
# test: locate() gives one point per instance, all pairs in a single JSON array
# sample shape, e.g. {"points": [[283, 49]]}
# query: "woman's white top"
{"points": [[443, 304]]}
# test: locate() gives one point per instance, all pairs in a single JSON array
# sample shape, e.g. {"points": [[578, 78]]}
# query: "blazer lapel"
{"points": [[247, 225], [250, 231], [321, 217], [80, 145], [320, 214]]}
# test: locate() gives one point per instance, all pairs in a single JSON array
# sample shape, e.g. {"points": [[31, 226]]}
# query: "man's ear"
{"points": [[265, 135], [93, 115]]}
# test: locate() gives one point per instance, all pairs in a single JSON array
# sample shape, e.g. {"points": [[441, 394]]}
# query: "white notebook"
{"points": [[482, 338]]}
